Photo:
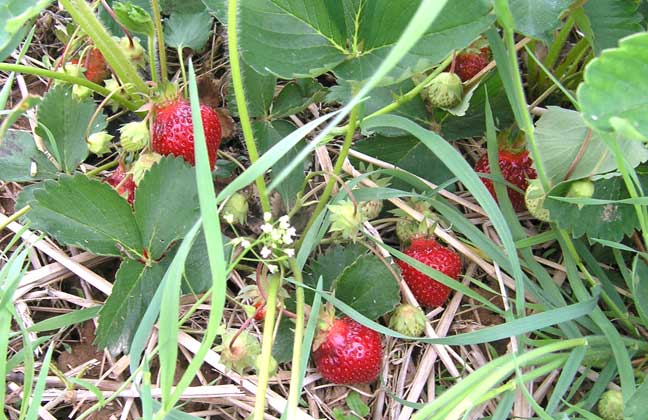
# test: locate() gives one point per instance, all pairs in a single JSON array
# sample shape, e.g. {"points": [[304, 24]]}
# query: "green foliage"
{"points": [[134, 18], [296, 96], [538, 19], [185, 30], [21, 161], [63, 124], [607, 21], [330, 266], [16, 17]]}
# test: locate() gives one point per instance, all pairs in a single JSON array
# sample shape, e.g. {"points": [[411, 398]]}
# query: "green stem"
{"points": [[527, 122], [184, 72], [102, 168], [295, 379], [17, 215], [348, 140], [159, 34], [239, 93], [84, 16], [19, 68], [266, 346], [151, 53]]}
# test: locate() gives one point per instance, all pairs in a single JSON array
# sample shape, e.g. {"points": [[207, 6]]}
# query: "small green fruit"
{"points": [[243, 353], [134, 136], [81, 93], [408, 320], [135, 52], [143, 164], [445, 91], [583, 188], [238, 207], [372, 209], [534, 198], [99, 143], [346, 218], [610, 406]]}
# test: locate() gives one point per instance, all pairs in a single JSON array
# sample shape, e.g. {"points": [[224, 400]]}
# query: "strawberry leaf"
{"points": [[296, 96], [605, 22], [86, 213], [63, 123], [612, 92], [538, 19], [21, 161], [283, 342], [306, 38], [609, 222], [330, 266], [185, 30], [16, 16], [560, 135], [263, 87], [166, 204], [369, 287], [135, 285]]}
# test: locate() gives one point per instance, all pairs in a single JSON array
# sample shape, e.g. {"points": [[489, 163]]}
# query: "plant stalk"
{"points": [[266, 346], [239, 93], [295, 380], [159, 35]]}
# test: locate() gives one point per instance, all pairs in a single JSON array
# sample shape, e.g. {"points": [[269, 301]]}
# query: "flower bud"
{"points": [[99, 143]]}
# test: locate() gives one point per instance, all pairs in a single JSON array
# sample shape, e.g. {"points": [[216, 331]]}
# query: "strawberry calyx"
{"points": [[325, 321]]}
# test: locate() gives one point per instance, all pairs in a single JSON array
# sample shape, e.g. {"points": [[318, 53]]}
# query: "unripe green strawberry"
{"points": [[243, 353], [134, 52], [237, 206], [406, 230], [346, 218], [583, 188], [534, 198], [445, 91], [372, 209], [143, 164], [134, 136], [99, 143], [408, 320], [610, 406], [272, 368]]}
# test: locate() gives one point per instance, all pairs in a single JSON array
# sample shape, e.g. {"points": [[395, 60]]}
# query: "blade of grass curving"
{"points": [[516, 327], [168, 331], [213, 236], [621, 356], [556, 82], [270, 157], [28, 366], [145, 394], [454, 401], [37, 396], [462, 170], [65, 320], [8, 84], [425, 15], [569, 372], [504, 407]]}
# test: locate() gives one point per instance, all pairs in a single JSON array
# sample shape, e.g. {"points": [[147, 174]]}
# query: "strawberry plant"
{"points": [[388, 209]]}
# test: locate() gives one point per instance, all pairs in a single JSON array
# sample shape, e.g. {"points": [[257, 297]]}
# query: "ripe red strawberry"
{"points": [[347, 352], [468, 64], [95, 64], [259, 315], [428, 291], [124, 186], [173, 130], [516, 169]]}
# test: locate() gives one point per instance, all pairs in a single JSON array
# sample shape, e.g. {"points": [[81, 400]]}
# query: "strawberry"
{"points": [[173, 130], [347, 352], [95, 65], [516, 169], [428, 291], [468, 64], [123, 183], [259, 314]]}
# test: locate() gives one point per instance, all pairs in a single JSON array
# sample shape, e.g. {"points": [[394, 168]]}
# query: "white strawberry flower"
{"points": [[266, 252], [273, 268], [290, 252], [267, 216], [245, 243]]}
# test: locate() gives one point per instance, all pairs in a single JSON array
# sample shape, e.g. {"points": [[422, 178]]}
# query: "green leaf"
{"points": [[198, 277], [110, 23], [474, 122], [609, 222], [270, 133], [296, 96], [283, 342], [135, 285], [538, 19], [15, 18], [607, 21], [381, 97], [356, 404], [368, 286], [134, 18], [184, 30], [560, 134], [166, 204], [330, 266], [257, 86], [409, 154], [640, 287], [85, 213], [186, 6], [611, 90], [63, 123], [19, 156], [635, 408], [303, 38]]}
